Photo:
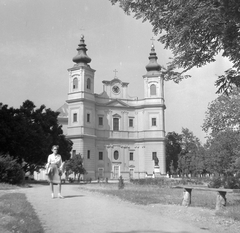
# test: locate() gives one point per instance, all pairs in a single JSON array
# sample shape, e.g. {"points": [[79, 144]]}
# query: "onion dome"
{"points": [[153, 65], [82, 56]]}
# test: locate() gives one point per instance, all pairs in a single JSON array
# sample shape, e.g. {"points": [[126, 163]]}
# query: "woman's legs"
{"points": [[52, 189], [59, 190]]}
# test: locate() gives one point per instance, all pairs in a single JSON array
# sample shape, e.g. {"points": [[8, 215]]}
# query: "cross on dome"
{"points": [[115, 71]]}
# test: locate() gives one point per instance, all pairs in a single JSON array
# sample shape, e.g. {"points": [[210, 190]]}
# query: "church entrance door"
{"points": [[116, 171]]}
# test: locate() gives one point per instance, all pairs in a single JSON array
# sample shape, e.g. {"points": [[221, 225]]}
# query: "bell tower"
{"points": [[81, 104], [153, 82], [81, 75], [154, 117]]}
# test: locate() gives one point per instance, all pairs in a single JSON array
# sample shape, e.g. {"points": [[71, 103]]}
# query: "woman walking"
{"points": [[54, 170]]}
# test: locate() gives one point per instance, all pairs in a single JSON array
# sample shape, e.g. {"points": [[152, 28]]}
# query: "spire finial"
{"points": [[152, 39], [153, 65], [115, 71], [82, 57]]}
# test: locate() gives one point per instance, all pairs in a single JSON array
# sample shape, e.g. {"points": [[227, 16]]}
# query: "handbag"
{"points": [[49, 171], [61, 169]]}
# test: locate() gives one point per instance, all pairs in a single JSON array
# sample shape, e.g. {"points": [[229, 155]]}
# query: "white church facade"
{"points": [[117, 135]]}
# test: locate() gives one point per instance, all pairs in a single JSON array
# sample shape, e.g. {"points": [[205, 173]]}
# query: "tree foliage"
{"points": [[75, 165], [191, 159], [195, 31], [223, 113], [10, 171], [173, 148], [28, 133], [223, 152]]}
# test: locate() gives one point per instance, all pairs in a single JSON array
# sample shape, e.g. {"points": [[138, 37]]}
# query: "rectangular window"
{"points": [[130, 122], [154, 122], [100, 121], [88, 117], [115, 124], [88, 154], [131, 156], [74, 117], [154, 155], [100, 155]]}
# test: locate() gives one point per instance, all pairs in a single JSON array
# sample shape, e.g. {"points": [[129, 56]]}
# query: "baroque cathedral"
{"points": [[117, 135]]}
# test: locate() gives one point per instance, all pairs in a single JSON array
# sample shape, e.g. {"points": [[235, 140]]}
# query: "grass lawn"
{"points": [[152, 194], [16, 213]]}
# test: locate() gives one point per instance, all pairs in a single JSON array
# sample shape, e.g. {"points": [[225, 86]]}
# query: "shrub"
{"points": [[10, 171], [230, 182], [216, 182], [165, 182]]}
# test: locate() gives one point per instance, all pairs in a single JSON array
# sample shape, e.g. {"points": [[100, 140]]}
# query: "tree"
{"points": [[173, 148], [195, 31], [223, 113], [223, 152], [28, 133], [75, 165], [191, 159]]}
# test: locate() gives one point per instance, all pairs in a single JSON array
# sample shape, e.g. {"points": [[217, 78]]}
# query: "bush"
{"points": [[10, 171], [164, 182], [229, 182], [216, 182]]}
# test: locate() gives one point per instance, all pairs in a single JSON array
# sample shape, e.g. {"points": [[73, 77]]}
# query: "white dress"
{"points": [[54, 163]]}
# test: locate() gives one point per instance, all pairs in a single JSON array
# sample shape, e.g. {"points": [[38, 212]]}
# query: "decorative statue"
{"points": [[156, 160]]}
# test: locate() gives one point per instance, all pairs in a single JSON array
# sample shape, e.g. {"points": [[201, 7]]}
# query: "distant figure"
{"points": [[54, 170]]}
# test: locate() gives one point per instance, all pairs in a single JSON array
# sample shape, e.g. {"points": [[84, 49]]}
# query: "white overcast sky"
{"points": [[39, 39]]}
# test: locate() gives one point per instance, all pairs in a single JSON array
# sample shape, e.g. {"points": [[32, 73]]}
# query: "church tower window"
{"points": [[74, 117], [115, 124], [89, 83], [154, 122], [88, 117], [75, 83], [153, 90]]}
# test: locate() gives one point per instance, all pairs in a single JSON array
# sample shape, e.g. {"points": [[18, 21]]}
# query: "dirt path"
{"points": [[83, 211]]}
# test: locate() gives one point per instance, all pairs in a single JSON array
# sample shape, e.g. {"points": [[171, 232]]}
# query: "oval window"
{"points": [[115, 155]]}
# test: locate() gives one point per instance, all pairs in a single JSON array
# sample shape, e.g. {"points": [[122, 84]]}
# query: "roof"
{"points": [[63, 110]]}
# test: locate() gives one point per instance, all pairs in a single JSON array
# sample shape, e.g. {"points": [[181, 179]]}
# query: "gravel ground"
{"points": [[84, 211], [96, 212]]}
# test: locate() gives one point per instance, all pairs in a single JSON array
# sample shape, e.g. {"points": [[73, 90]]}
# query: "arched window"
{"points": [[89, 83], [75, 83], [153, 89], [115, 155]]}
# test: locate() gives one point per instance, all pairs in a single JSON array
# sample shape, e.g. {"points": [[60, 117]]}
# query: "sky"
{"points": [[39, 39]]}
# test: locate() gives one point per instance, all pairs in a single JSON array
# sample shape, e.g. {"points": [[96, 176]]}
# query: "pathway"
{"points": [[83, 211]]}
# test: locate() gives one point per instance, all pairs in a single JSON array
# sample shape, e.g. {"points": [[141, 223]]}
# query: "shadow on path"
{"points": [[147, 231], [72, 196]]}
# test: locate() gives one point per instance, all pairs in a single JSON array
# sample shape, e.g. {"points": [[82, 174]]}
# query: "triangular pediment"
{"points": [[117, 103], [117, 115]]}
